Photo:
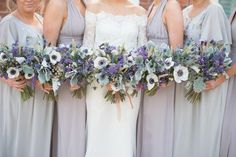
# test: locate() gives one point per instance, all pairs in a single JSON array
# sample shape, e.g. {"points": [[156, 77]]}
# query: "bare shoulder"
{"points": [[138, 10], [57, 4], [94, 7], [173, 5]]}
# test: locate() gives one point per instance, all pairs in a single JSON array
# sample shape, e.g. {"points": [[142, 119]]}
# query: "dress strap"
{"points": [[150, 10], [163, 5], [233, 15], [39, 18]]}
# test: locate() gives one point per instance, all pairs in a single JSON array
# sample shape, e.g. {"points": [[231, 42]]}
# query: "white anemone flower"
{"points": [[169, 63], [13, 73], [55, 57], [88, 51], [152, 79], [100, 62], [29, 76], [3, 57], [180, 73]]}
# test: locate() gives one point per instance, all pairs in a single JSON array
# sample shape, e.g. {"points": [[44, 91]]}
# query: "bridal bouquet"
{"points": [[158, 67], [18, 62], [213, 60], [78, 67], [110, 71], [50, 69]]}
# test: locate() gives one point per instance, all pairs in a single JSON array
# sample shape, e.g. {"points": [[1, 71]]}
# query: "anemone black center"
{"points": [[180, 73], [13, 72], [54, 57], [151, 81]]}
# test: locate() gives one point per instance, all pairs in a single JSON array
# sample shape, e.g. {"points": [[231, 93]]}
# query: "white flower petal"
{"points": [[150, 86], [177, 79], [29, 76], [3, 57], [55, 57], [98, 60], [150, 77], [20, 60], [13, 73]]}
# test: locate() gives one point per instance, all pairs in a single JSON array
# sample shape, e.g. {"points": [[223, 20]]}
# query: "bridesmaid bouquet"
{"points": [[213, 60], [78, 67], [187, 68], [158, 67], [19, 62], [110, 71], [50, 69]]}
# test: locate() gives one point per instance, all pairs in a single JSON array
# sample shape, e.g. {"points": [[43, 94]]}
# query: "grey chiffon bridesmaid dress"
{"points": [[228, 141], [70, 122], [198, 127], [156, 120], [25, 127]]}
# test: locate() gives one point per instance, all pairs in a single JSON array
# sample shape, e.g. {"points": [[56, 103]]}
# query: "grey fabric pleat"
{"points": [[69, 133], [73, 28], [155, 127], [198, 127], [228, 141], [25, 127]]}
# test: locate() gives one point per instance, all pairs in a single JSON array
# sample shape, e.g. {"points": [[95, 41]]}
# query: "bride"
{"points": [[118, 22]]}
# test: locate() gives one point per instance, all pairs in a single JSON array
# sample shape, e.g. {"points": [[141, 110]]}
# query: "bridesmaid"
{"points": [[25, 127], [156, 119], [62, 28], [228, 141], [198, 127]]}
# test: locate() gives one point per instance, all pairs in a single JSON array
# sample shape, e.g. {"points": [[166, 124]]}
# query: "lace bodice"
{"points": [[127, 30]]}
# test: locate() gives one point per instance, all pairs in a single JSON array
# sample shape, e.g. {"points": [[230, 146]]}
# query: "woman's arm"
{"points": [[54, 16], [173, 19]]}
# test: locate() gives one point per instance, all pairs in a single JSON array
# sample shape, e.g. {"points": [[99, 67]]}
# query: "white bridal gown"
{"points": [[109, 136]]}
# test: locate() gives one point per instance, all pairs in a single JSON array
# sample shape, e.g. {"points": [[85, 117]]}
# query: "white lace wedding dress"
{"points": [[109, 136]]}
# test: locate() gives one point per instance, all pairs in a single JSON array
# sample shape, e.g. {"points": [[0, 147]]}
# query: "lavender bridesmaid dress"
{"points": [[70, 128], [25, 127], [228, 141], [156, 121], [198, 127]]}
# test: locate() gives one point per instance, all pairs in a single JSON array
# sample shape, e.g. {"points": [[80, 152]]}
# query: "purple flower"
{"points": [[113, 69], [15, 49], [37, 66], [142, 52]]}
